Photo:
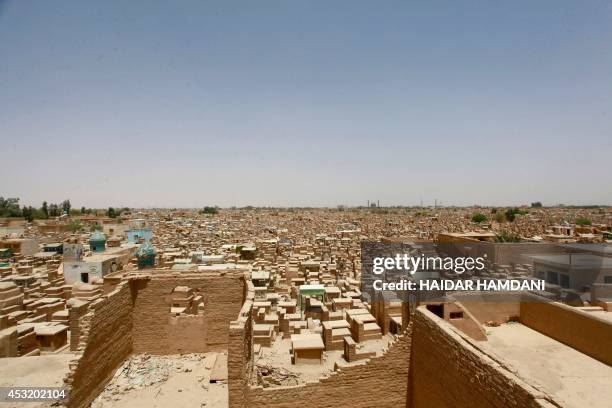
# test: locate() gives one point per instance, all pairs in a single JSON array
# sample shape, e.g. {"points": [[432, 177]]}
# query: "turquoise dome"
{"points": [[97, 241], [97, 236], [146, 249], [146, 255]]}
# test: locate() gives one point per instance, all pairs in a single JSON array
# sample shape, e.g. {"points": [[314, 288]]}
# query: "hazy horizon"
{"points": [[77, 207], [306, 104]]}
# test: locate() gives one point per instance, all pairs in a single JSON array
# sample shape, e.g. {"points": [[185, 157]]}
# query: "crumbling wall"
{"points": [[379, 382], [576, 328], [136, 317], [495, 307], [105, 341], [155, 329], [240, 351], [447, 369]]}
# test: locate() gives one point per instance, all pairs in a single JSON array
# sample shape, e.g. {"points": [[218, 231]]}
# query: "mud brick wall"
{"points": [[239, 358], [379, 382], [4, 322], [157, 332], [106, 340], [579, 330], [136, 317], [448, 370], [74, 317], [9, 342], [240, 350], [496, 309], [186, 334]]}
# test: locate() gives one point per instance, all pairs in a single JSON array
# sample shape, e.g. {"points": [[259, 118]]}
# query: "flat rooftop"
{"points": [[100, 257], [571, 377], [575, 260], [601, 314], [469, 234], [599, 249], [222, 266]]}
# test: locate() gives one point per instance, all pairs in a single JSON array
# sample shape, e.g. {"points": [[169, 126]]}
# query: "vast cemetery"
{"points": [[262, 307]]}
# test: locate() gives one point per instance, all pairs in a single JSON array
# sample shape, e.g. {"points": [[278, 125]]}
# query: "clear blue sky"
{"points": [[314, 103]]}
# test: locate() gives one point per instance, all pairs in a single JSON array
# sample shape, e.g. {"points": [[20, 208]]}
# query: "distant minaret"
{"points": [[368, 203], [435, 203], [378, 203]]}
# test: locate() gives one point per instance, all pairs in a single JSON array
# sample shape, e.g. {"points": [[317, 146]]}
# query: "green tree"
{"points": [[83, 210], [66, 206], [54, 210], [45, 209], [537, 204], [111, 212], [479, 217], [511, 213], [74, 226], [499, 217], [506, 236], [38, 214], [9, 207], [583, 221], [209, 210], [28, 213]]}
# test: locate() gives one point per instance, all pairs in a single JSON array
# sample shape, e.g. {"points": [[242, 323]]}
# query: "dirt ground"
{"points": [[36, 371], [177, 381]]}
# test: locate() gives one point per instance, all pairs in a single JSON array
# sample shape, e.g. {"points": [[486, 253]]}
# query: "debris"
{"points": [[219, 370], [268, 376], [143, 370]]}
